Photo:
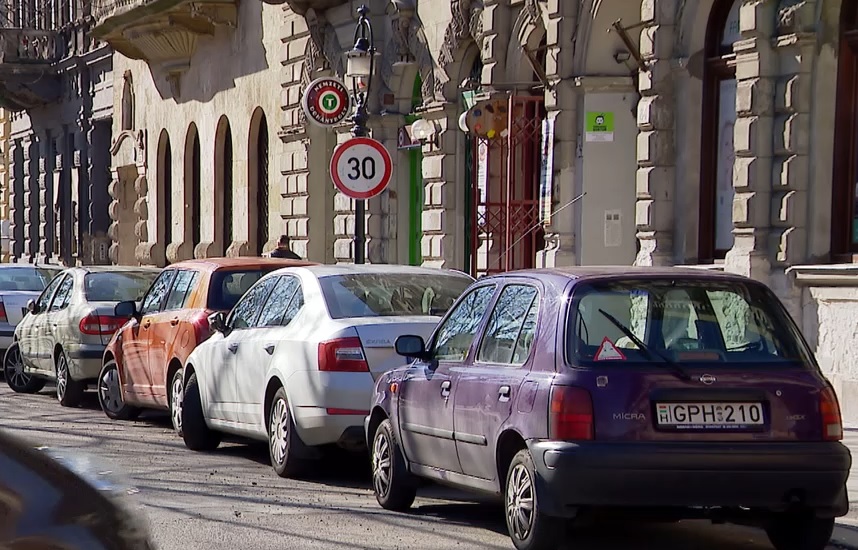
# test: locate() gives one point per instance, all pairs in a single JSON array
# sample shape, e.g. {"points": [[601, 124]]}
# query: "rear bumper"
{"points": [[317, 427], [85, 360], [764, 476]]}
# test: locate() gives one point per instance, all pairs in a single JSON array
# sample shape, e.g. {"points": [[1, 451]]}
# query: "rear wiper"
{"points": [[650, 353]]}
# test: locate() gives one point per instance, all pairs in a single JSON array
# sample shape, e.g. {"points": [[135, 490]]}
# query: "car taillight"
{"points": [[3, 318], [570, 414], [829, 410], [100, 324], [342, 355], [200, 322]]}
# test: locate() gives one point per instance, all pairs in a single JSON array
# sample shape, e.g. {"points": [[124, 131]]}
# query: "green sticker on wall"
{"points": [[599, 126]]}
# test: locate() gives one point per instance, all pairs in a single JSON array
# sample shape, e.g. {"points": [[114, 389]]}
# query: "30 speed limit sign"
{"points": [[361, 168]]}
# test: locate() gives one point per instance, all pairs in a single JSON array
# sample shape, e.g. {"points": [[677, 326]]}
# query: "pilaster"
{"points": [[16, 200], [656, 154], [31, 186], [561, 109], [755, 124]]}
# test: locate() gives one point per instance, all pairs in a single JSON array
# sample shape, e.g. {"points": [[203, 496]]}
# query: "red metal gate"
{"points": [[504, 201]]}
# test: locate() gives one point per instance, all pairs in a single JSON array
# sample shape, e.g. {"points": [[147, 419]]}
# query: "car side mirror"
{"points": [[32, 307], [126, 309], [411, 346], [217, 322]]}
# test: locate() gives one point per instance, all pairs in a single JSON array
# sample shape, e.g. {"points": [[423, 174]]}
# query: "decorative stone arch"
{"points": [[128, 208], [184, 248], [463, 36], [528, 32]]}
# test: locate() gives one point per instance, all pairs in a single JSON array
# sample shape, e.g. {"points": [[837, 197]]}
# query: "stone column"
{"points": [[561, 108], [656, 175], [756, 76], [382, 210], [31, 185], [59, 209]]}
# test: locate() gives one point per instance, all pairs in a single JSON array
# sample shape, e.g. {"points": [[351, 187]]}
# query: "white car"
{"points": [[294, 362], [20, 284]]}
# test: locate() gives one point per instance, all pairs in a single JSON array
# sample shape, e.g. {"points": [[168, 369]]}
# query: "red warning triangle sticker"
{"points": [[608, 352]]}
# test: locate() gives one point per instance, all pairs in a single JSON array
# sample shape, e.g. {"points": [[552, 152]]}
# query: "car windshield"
{"points": [[391, 294], [117, 286], [681, 322], [226, 287], [33, 279]]}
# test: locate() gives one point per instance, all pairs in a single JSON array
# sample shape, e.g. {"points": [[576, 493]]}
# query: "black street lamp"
{"points": [[359, 66]]}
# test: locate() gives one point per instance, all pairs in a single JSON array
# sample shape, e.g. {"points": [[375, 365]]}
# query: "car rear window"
{"points": [[117, 286], [227, 286], [26, 278], [682, 322], [391, 294]]}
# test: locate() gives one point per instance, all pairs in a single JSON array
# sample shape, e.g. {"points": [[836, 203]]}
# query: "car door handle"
{"points": [[146, 324], [233, 348], [269, 348], [174, 321], [503, 393], [445, 388]]}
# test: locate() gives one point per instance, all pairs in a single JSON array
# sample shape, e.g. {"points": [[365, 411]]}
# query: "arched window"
{"points": [[227, 188], [165, 187], [260, 142], [719, 117], [127, 102], [196, 196], [844, 204]]}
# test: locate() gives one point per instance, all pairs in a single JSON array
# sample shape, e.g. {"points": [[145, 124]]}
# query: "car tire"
{"points": [[800, 532], [69, 391], [529, 529], [13, 369], [176, 396], [110, 396], [394, 486], [285, 448], [195, 432]]}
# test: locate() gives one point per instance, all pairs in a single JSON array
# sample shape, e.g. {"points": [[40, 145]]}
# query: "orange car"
{"points": [[144, 359]]}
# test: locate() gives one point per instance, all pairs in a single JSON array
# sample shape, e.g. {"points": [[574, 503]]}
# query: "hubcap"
{"points": [[381, 465], [14, 369], [177, 403], [62, 376], [109, 392], [279, 431], [519, 502]]}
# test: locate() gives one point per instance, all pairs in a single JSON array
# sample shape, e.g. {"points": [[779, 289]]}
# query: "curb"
{"points": [[845, 536]]}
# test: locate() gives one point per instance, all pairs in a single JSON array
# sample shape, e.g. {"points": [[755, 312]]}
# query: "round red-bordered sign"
{"points": [[326, 101], [361, 168]]}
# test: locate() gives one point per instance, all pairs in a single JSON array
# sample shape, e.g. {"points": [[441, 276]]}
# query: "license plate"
{"points": [[709, 416]]}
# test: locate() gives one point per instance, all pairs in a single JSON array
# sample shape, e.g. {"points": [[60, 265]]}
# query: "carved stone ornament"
{"points": [[323, 49], [466, 22], [408, 44], [788, 15]]}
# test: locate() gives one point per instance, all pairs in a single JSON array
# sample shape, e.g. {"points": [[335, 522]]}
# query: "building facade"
{"points": [[5, 224], [55, 82], [713, 133]]}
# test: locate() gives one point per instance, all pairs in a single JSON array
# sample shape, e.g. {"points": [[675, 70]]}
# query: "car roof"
{"points": [[117, 269], [350, 269], [624, 271], [242, 262]]}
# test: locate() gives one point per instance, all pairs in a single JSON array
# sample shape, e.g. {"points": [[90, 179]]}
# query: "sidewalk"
{"points": [[846, 531]]}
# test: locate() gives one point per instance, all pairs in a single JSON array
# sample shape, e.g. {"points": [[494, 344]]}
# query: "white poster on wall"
{"points": [[546, 172]]}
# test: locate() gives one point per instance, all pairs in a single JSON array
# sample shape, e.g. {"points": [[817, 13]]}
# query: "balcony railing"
{"points": [[29, 46]]}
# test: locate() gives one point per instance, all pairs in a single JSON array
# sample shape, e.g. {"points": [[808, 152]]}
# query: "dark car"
{"points": [[56, 499], [676, 392]]}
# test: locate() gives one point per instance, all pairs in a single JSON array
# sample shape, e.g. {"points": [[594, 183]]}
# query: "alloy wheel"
{"points": [[177, 395], [109, 391], [14, 369], [519, 502], [381, 464], [279, 432], [62, 376]]}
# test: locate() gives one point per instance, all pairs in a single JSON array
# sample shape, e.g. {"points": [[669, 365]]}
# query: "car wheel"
{"points": [[69, 391], [176, 396], [528, 527], [195, 432], [794, 532], [284, 445], [16, 377], [394, 486], [110, 394]]}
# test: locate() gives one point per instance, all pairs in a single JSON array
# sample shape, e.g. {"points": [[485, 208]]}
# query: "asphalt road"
{"points": [[231, 498]]}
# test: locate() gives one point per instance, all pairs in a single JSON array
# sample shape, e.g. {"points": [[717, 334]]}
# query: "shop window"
{"points": [[844, 209]]}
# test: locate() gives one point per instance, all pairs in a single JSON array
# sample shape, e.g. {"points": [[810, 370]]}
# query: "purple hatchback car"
{"points": [[678, 393]]}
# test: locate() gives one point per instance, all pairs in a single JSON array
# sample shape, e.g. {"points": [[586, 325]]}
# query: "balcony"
{"points": [[164, 33], [27, 76]]}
